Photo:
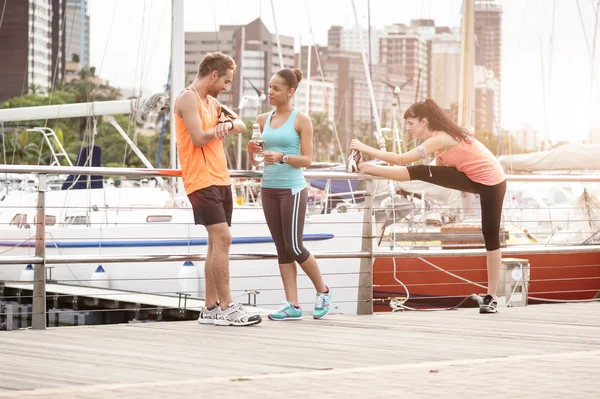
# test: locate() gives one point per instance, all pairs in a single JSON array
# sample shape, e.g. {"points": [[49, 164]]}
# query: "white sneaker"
{"points": [[236, 315], [354, 158], [208, 316]]}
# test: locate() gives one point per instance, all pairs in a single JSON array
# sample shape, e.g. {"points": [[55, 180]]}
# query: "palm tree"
{"points": [[322, 136], [21, 151]]}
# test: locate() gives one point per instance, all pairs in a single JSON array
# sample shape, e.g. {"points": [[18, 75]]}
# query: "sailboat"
{"points": [[432, 279], [105, 220]]}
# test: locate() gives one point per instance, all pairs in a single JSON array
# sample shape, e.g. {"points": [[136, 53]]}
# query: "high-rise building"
{"points": [[77, 32], [31, 54], [444, 78], [256, 54], [488, 35], [407, 50], [487, 100], [321, 94]]}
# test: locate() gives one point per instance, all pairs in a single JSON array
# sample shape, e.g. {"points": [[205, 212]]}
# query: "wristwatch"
{"points": [[284, 159], [225, 121]]}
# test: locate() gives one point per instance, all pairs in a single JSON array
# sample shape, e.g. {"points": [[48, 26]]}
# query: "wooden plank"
{"points": [[149, 352]]}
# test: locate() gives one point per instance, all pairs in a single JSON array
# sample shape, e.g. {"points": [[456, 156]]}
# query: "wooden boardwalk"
{"points": [[537, 351]]}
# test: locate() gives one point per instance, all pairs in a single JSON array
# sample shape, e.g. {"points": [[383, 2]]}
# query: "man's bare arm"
{"points": [[187, 108]]}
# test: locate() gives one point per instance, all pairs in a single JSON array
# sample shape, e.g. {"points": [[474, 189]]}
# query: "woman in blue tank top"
{"points": [[288, 147]]}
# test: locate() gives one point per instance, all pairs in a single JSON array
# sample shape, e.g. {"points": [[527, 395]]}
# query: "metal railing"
{"points": [[367, 254]]}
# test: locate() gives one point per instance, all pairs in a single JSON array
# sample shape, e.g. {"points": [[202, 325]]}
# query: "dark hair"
{"points": [[291, 77], [438, 119], [215, 61]]}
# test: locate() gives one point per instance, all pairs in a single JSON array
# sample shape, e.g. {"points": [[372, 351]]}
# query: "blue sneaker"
{"points": [[322, 304], [287, 312]]}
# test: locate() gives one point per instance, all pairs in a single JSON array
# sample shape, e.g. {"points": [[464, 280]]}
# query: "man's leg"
{"points": [[217, 263], [211, 289]]}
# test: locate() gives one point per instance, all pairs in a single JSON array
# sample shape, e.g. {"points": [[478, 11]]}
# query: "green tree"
{"points": [[231, 146], [323, 138]]}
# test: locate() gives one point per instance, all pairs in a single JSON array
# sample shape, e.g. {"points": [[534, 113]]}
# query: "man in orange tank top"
{"points": [[201, 126]]}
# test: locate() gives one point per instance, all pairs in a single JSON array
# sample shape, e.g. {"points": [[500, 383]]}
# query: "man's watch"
{"points": [[225, 121], [284, 159]]}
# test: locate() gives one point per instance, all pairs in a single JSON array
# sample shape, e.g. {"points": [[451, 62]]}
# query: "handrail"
{"points": [[309, 174]]}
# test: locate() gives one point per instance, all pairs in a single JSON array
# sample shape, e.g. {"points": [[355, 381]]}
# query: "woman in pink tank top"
{"points": [[461, 163]]}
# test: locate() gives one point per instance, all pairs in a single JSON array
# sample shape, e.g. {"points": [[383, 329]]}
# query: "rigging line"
{"points": [[156, 40], [229, 12], [546, 23], [337, 136], [214, 10], [140, 48], [519, 41], [26, 72], [277, 35], [108, 38], [137, 66], [145, 47], [55, 74], [2, 16], [587, 43]]}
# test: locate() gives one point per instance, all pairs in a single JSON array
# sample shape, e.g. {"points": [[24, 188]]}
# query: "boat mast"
{"points": [[465, 99], [177, 69]]}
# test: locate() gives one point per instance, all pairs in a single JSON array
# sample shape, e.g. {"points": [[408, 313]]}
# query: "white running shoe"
{"points": [[236, 315], [208, 316]]}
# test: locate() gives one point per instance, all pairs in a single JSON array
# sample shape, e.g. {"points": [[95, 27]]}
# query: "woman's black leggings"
{"points": [[491, 197], [285, 212]]}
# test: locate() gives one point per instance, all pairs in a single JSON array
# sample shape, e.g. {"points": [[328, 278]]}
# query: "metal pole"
{"points": [[380, 139], [39, 275], [277, 37], [365, 279], [134, 147], [308, 65], [240, 71], [465, 99], [177, 70], [370, 65]]}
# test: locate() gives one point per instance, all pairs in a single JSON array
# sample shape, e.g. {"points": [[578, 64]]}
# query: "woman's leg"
{"points": [[492, 199], [272, 199], [398, 173], [293, 213], [444, 176]]}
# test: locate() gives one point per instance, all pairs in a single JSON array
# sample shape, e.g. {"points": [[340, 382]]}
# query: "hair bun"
{"points": [[298, 73]]}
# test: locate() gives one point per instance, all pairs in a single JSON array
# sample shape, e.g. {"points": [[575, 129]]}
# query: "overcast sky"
{"points": [[130, 45]]}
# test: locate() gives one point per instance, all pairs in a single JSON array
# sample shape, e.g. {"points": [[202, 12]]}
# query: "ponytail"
{"points": [[438, 119]]}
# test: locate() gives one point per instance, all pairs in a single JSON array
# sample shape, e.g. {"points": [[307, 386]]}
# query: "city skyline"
{"points": [[525, 38]]}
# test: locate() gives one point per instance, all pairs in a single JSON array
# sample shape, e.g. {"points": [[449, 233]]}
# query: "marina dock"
{"points": [[541, 351]]}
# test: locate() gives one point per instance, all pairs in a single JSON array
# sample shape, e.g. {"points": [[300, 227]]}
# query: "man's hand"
{"points": [[221, 130]]}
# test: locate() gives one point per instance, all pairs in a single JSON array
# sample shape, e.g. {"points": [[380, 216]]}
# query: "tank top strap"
{"points": [[268, 121], [292, 117]]}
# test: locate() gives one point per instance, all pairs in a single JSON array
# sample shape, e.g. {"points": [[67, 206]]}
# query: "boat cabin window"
{"points": [[20, 220], [159, 218], [49, 219], [82, 219]]}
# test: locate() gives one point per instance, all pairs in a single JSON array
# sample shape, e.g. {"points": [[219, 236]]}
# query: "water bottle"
{"points": [[257, 138]]}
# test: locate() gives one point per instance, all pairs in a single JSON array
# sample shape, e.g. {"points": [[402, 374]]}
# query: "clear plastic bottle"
{"points": [[257, 138]]}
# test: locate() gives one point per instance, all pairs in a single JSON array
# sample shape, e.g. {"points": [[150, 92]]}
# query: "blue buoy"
{"points": [[27, 273], [188, 278], [100, 278]]}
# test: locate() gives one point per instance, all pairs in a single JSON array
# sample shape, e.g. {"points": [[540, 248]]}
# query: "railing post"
{"points": [[38, 318], [365, 279]]}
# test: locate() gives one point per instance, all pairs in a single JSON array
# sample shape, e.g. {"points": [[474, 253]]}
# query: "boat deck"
{"points": [[536, 351]]}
